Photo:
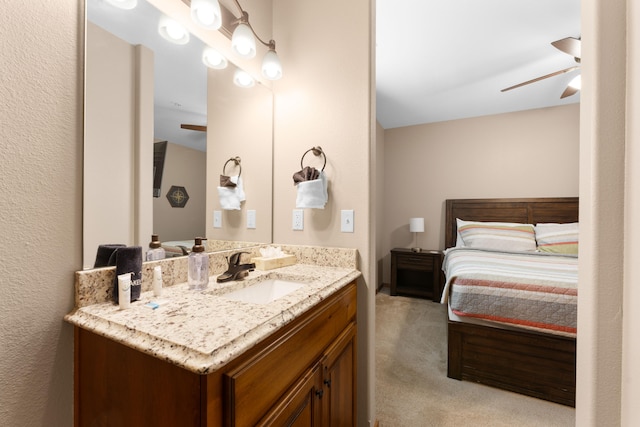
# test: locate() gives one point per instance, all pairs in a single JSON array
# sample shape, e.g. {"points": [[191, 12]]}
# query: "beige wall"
{"points": [[524, 154], [325, 98], [41, 213], [184, 167], [118, 149], [239, 123]]}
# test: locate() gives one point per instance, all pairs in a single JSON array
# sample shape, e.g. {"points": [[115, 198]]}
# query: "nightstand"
{"points": [[417, 274]]}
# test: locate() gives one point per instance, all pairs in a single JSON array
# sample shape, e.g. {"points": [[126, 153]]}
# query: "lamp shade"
{"points": [[172, 31], [243, 42], [214, 59], [271, 66], [416, 225], [206, 13], [242, 79]]}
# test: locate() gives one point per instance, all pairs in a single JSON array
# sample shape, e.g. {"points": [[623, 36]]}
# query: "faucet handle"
{"points": [[234, 259]]}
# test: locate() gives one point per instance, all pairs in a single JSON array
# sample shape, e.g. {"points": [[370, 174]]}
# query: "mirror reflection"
{"points": [[148, 149]]}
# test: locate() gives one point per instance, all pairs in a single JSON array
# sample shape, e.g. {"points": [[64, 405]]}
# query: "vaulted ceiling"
{"points": [[440, 60]]}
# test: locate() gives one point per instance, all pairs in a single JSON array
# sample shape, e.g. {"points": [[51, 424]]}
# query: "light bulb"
{"points": [[271, 66], [214, 59], [576, 82], [243, 79], [243, 41], [173, 31], [206, 13]]}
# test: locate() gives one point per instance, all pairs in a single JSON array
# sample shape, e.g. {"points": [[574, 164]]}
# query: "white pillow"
{"points": [[557, 238], [502, 236]]}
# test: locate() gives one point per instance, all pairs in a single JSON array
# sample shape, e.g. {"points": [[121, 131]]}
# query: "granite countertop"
{"points": [[201, 330]]}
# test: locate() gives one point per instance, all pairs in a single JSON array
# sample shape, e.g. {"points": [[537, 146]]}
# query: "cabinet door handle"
{"points": [[327, 383], [319, 393]]}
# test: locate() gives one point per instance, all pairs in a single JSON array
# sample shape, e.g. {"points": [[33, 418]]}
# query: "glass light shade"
{"points": [[243, 42], [123, 4], [271, 66], [173, 31], [242, 79], [576, 82], [416, 225], [214, 59], [206, 13]]}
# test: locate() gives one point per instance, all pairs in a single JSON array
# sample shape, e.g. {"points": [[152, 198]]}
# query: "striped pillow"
{"points": [[558, 238], [502, 236]]}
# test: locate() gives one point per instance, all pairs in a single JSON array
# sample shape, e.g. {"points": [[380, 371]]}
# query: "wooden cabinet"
{"points": [[416, 274], [302, 375]]}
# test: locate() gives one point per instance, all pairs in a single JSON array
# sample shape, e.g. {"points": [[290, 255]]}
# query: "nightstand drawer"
{"points": [[415, 262]]}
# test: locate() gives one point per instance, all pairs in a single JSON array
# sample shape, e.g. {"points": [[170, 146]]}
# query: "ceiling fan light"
{"points": [[214, 59], [576, 82], [206, 13], [172, 31], [242, 79], [243, 42], [271, 66], [123, 4]]}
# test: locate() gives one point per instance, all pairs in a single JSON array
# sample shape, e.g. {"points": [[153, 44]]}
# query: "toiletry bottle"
{"points": [[124, 290], [156, 251], [157, 281], [198, 267]]}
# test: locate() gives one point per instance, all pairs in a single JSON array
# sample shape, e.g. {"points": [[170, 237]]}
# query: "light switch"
{"points": [[298, 219], [217, 219], [346, 221], [251, 218]]}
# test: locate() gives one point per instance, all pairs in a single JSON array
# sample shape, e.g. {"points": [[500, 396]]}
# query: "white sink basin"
{"points": [[264, 292]]}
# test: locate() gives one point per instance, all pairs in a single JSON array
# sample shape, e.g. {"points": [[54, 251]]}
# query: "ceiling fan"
{"points": [[568, 45], [198, 128]]}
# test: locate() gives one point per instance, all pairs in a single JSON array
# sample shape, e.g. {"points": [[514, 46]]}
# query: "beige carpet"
{"points": [[412, 388]]}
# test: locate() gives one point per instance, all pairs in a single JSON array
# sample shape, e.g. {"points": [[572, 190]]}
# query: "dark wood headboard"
{"points": [[529, 211]]}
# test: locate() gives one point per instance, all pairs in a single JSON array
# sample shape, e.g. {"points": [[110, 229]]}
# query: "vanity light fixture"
{"points": [[242, 79], [243, 42], [123, 4], [206, 13], [173, 31], [214, 59]]}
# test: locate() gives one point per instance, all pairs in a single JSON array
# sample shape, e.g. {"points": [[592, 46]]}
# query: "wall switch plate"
{"points": [[217, 219], [346, 221], [251, 218], [298, 219]]}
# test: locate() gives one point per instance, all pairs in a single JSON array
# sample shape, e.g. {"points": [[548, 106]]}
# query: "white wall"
{"points": [[41, 213], [523, 154]]}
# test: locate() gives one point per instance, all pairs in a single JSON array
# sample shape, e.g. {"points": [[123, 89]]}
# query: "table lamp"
{"points": [[416, 225]]}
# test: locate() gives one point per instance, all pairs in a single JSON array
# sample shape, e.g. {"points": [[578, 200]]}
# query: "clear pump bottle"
{"points": [[156, 251], [198, 276]]}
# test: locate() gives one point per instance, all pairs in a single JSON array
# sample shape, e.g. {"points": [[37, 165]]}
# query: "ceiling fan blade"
{"points": [[568, 92], [199, 128], [537, 79], [569, 45]]}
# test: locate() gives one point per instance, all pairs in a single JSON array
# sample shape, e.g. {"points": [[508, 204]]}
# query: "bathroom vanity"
{"points": [[203, 359]]}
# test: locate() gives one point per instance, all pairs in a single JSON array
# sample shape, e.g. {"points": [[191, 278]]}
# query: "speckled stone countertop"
{"points": [[202, 330]]}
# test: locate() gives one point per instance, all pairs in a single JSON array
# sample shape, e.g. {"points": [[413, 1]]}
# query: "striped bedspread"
{"points": [[535, 291]]}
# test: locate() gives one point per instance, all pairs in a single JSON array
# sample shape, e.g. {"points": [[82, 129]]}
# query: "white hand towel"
{"points": [[231, 198], [312, 194]]}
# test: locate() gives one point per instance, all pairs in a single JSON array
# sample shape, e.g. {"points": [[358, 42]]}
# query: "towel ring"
{"points": [[235, 160], [317, 150]]}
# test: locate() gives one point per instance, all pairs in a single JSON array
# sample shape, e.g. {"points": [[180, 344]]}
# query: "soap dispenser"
{"points": [[198, 276], [156, 251]]}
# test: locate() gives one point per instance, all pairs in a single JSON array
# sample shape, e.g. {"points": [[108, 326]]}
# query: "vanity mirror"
{"points": [[141, 89]]}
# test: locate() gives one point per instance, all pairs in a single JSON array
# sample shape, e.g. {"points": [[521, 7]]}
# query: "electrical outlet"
{"points": [[217, 219], [298, 219], [346, 221], [251, 218]]}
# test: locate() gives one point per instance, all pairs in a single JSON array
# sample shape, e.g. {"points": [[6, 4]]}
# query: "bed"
{"points": [[527, 359]]}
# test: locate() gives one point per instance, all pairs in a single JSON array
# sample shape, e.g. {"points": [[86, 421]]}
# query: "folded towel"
{"points": [[128, 260], [104, 253], [312, 194], [231, 198]]}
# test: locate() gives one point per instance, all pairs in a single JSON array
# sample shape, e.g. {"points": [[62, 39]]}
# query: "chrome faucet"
{"points": [[236, 270]]}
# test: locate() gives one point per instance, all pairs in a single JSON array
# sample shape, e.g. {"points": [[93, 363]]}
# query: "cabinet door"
{"points": [[339, 380], [301, 406]]}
